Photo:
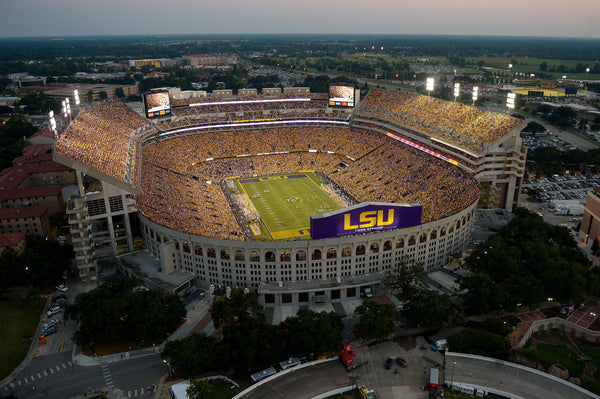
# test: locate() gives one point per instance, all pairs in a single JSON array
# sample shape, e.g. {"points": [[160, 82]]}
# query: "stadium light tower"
{"points": [[587, 73], [510, 100], [429, 85], [475, 94], [52, 123], [76, 96], [456, 91]]}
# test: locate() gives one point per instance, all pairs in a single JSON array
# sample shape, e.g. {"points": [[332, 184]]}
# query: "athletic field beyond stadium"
{"points": [[285, 203]]}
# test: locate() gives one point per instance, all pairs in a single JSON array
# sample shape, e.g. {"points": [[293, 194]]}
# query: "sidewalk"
{"points": [[83, 360]]}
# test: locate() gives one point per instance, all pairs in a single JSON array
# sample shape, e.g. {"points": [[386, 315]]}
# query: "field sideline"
{"points": [[285, 203]]}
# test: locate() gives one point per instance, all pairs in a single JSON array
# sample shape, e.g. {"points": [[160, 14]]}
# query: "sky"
{"points": [[571, 18]]}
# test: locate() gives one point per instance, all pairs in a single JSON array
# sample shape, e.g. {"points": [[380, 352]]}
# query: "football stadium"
{"points": [[306, 198]]}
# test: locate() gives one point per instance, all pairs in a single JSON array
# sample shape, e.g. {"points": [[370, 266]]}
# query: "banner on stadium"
{"points": [[364, 218]]}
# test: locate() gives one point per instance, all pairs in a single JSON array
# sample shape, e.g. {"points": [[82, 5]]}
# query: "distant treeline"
{"points": [[127, 47]]}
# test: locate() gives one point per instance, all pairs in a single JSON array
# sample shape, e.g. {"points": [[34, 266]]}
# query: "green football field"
{"points": [[285, 203]]}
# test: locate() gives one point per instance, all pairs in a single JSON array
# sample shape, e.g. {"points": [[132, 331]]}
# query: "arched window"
{"points": [[412, 241], [423, 237], [186, 247], [346, 252], [285, 256], [451, 229], [433, 235], [387, 246], [198, 250], [210, 252], [239, 255], [331, 253], [374, 248], [400, 243], [443, 232], [300, 256], [269, 257], [177, 245], [224, 254], [360, 250], [254, 256], [316, 255]]}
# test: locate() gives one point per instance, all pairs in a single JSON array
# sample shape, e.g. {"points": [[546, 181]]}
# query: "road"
{"points": [[507, 377], [56, 376]]}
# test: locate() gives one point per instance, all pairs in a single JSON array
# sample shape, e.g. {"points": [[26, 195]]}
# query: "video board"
{"points": [[364, 218], [341, 95], [157, 103]]}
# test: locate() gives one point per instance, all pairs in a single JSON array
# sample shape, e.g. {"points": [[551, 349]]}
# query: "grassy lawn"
{"points": [[19, 316], [548, 354], [286, 202], [347, 395]]}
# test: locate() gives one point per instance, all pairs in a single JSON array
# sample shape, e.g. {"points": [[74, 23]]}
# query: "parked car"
{"points": [[401, 362], [54, 310], [62, 288], [56, 301], [388, 363], [49, 323]]}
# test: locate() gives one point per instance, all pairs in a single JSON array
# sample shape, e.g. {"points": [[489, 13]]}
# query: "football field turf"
{"points": [[286, 202]]}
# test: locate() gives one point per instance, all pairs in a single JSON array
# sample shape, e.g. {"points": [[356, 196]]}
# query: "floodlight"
{"points": [[564, 76], [510, 100], [475, 93], [429, 84], [510, 65], [67, 100], [456, 90], [587, 70], [51, 114]]}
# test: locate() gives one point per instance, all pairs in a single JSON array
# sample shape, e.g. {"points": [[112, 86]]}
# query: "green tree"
{"points": [[116, 311], [376, 320], [197, 354], [200, 389], [430, 309], [479, 342], [405, 278]]}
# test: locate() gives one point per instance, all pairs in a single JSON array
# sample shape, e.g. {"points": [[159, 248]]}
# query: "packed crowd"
{"points": [[182, 174], [459, 124], [103, 138]]}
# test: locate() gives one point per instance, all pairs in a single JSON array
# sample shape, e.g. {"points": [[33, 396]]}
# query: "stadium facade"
{"points": [[115, 151]]}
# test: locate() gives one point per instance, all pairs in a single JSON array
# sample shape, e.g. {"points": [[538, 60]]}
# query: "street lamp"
{"points": [[452, 376]]}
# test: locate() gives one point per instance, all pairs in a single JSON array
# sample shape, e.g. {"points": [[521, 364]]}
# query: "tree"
{"points": [[404, 279], [197, 354], [479, 342], [115, 311], [430, 309], [544, 66], [534, 127], [119, 93], [376, 320], [596, 246], [200, 389]]}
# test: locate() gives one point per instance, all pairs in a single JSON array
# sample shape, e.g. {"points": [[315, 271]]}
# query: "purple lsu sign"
{"points": [[364, 218]]}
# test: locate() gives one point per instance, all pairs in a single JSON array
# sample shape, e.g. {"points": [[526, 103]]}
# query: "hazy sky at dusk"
{"points": [[574, 18]]}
